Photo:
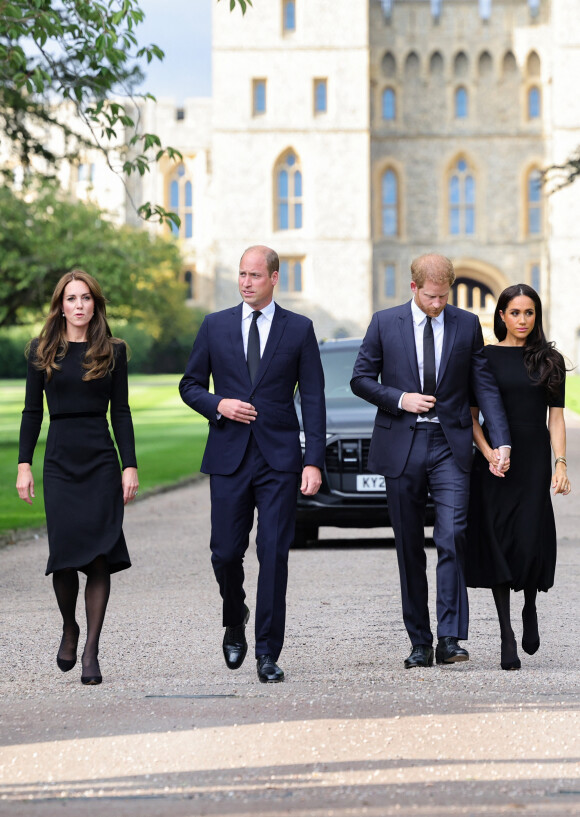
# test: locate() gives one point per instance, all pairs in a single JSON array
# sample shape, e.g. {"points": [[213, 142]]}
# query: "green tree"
{"points": [[86, 52], [46, 236]]}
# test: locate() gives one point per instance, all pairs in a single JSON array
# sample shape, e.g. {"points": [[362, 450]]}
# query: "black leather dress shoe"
{"points": [[268, 670], [421, 656], [449, 652], [234, 644]]}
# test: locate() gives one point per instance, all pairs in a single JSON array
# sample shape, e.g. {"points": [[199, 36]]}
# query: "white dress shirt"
{"points": [[263, 323], [438, 324]]}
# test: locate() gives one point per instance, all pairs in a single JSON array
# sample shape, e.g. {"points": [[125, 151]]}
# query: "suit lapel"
{"points": [[236, 339], [449, 332], [408, 335], [279, 322]]}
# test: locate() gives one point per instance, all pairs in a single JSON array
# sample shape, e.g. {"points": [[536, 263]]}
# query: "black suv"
{"points": [[349, 497]]}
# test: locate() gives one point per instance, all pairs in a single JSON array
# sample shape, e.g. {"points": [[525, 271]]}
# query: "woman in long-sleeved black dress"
{"points": [[511, 540], [83, 370]]}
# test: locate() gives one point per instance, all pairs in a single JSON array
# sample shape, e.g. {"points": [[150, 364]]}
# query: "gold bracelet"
{"points": [[560, 459]]}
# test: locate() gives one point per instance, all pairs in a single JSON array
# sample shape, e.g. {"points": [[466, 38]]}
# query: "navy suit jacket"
{"points": [[388, 351], [291, 357]]}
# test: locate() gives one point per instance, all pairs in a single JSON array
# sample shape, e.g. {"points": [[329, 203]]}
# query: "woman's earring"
{"points": [[62, 313]]}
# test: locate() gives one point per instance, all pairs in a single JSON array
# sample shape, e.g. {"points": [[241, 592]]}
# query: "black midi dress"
{"points": [[83, 494], [511, 536]]}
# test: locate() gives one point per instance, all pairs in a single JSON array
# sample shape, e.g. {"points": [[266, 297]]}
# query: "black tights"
{"points": [[97, 589], [530, 637]]}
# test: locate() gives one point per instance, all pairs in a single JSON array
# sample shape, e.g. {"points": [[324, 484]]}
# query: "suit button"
{"points": [[411, 428]]}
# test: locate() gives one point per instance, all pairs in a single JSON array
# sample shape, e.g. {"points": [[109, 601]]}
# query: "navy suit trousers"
{"points": [[234, 498], [431, 467]]}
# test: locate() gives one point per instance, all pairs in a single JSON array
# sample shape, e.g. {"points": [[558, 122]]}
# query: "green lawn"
{"points": [[170, 439]]}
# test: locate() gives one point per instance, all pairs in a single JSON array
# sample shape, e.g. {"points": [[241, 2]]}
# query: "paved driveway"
{"points": [[172, 732]]}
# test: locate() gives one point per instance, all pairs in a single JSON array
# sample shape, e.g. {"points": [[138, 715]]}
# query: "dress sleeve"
{"points": [[33, 410], [120, 411]]}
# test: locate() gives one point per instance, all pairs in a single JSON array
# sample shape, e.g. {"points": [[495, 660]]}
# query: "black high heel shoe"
{"points": [[531, 636], [66, 664], [509, 655], [91, 680]]}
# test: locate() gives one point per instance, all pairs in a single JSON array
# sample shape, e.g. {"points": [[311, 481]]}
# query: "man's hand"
{"points": [[236, 410], [417, 403], [503, 462], [311, 480]]}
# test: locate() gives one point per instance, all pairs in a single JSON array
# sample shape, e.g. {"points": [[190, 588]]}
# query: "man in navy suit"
{"points": [[428, 356], [256, 354]]}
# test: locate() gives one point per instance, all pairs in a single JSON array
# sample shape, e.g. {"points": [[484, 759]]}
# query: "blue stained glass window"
{"points": [[174, 195], [289, 15], [297, 216], [389, 204], [454, 190], [462, 165], [283, 277], [188, 194], [283, 216], [469, 190], [469, 221], [298, 183], [460, 103], [454, 221], [320, 96], [189, 225], [535, 277], [298, 277], [288, 205], [461, 203], [534, 203], [389, 104], [259, 96], [533, 103], [181, 171], [390, 288]]}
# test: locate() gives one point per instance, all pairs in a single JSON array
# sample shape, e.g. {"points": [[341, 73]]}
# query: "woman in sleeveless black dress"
{"points": [[82, 370], [511, 539]]}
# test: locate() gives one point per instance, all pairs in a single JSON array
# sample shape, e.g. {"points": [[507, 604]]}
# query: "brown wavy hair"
{"points": [[52, 344]]}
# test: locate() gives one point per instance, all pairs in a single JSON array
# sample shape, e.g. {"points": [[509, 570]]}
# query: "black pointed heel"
{"points": [[66, 664]]}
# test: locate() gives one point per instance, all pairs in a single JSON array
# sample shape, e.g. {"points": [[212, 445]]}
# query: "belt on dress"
{"points": [[74, 414]]}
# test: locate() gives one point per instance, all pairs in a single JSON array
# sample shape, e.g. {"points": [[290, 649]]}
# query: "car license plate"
{"points": [[370, 482]]}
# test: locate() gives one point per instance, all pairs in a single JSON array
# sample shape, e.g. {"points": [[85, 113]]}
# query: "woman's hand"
{"points": [[25, 482], [493, 456], [560, 481], [130, 483]]}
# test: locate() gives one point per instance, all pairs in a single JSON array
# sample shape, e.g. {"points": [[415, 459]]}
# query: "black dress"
{"points": [[83, 495], [511, 536]]}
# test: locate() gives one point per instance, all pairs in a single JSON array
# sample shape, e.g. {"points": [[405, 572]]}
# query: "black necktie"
{"points": [[429, 375], [254, 346]]}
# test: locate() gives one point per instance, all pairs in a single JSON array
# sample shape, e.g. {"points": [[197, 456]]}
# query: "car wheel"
{"points": [[304, 535]]}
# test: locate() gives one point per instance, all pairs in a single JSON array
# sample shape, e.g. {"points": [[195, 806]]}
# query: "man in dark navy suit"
{"points": [[256, 354], [428, 356]]}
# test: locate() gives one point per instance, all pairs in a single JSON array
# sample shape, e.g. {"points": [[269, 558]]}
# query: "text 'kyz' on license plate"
{"points": [[370, 482]]}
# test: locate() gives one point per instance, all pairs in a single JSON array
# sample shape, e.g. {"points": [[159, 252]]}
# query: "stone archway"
{"points": [[477, 288]]}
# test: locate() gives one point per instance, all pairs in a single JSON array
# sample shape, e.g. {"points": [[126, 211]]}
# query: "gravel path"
{"points": [[172, 732]]}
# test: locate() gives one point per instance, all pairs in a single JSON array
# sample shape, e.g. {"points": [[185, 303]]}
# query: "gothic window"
{"points": [[535, 277], [290, 275], [533, 64], [288, 193], [461, 64], [389, 203], [461, 103], [388, 65], [289, 15], [436, 64], [534, 102], [389, 105], [485, 64], [461, 204], [181, 202], [510, 66], [258, 97], [534, 202], [412, 66]]}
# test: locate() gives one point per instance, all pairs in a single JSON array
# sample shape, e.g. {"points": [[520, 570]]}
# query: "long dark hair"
{"points": [[52, 342], [544, 364]]}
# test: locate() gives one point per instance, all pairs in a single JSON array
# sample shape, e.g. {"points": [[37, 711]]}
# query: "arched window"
{"points": [[534, 103], [388, 65], [461, 207], [389, 106], [288, 193], [460, 64], [485, 64], [412, 66], [389, 203], [461, 103], [436, 64], [181, 202], [534, 202]]}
